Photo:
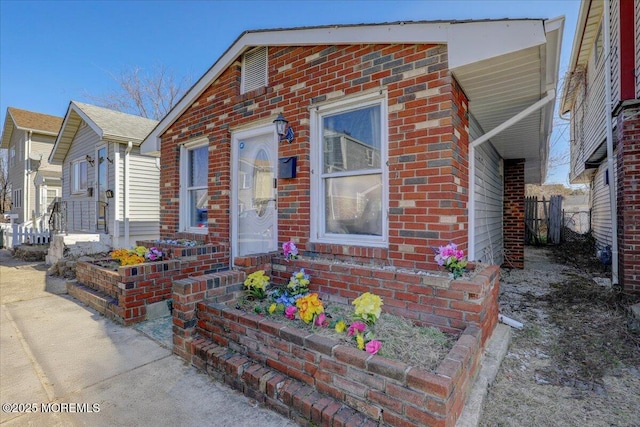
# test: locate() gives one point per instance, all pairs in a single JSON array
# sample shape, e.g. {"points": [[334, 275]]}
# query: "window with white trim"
{"points": [[194, 169], [349, 184], [79, 181], [254, 70], [12, 157], [17, 198]]}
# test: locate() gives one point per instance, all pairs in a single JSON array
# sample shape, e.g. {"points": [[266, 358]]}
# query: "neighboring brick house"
{"points": [[406, 137], [608, 158], [28, 138]]}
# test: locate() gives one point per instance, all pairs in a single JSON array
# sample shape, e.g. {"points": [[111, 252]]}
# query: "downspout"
{"points": [[27, 173], [551, 95], [126, 193], [116, 197], [610, 165]]}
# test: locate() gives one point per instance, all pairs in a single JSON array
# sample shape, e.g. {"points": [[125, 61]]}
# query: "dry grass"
{"points": [[576, 361], [422, 347]]}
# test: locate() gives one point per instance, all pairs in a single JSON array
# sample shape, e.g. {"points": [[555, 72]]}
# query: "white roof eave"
{"points": [[467, 42]]}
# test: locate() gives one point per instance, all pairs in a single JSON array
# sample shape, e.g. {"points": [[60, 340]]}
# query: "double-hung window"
{"points": [[349, 180], [79, 181], [194, 165]]}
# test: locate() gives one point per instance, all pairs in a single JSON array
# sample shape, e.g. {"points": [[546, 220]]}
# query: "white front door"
{"points": [[254, 214]]}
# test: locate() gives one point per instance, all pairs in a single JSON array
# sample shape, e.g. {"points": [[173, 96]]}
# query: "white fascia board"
{"points": [[56, 144], [471, 42], [73, 108], [337, 35]]}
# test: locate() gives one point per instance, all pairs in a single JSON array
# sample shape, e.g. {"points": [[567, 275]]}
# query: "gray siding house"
{"points": [[28, 138], [108, 187]]}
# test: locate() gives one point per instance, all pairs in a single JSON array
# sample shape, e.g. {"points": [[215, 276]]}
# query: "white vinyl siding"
{"points": [[488, 201], [588, 117], [600, 207], [254, 70], [144, 197], [81, 212]]}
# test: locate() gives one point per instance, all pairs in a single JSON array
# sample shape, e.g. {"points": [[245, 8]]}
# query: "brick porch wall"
{"points": [[513, 214], [428, 143], [628, 197]]}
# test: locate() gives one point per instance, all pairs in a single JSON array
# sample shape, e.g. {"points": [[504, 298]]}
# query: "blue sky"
{"points": [[52, 52]]}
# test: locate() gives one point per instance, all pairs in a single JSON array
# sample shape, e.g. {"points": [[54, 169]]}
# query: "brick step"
{"points": [[278, 392], [221, 286], [101, 302]]}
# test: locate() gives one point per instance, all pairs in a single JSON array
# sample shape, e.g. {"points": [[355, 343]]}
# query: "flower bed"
{"points": [[269, 361], [123, 295], [124, 292]]}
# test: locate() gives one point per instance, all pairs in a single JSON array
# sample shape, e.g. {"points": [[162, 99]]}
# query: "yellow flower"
{"points": [[360, 341], [140, 250], [308, 306], [340, 326], [272, 308], [368, 307]]}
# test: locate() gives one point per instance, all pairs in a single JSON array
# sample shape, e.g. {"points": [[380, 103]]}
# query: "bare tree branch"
{"points": [[148, 94]]}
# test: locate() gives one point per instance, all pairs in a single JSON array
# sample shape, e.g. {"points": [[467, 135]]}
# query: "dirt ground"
{"points": [[576, 362]]}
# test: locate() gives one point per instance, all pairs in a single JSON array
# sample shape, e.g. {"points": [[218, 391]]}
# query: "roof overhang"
{"points": [[519, 71], [589, 17], [10, 126], [503, 66]]}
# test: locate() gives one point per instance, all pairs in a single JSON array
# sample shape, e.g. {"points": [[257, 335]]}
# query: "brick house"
{"points": [[605, 147], [430, 130]]}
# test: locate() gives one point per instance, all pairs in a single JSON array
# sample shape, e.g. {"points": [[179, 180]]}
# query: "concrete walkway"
{"points": [[60, 356]]}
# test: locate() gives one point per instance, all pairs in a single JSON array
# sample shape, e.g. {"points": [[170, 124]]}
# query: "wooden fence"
{"points": [[543, 220]]}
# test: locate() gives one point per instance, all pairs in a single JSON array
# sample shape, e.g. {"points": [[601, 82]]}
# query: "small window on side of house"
{"points": [[79, 181], [598, 47], [194, 197], [254, 70], [17, 198]]}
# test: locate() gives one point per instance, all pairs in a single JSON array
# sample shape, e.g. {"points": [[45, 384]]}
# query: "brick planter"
{"points": [[124, 295], [316, 380]]}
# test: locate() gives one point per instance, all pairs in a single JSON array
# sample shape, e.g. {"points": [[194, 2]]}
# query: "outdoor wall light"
{"points": [[90, 160], [283, 129]]}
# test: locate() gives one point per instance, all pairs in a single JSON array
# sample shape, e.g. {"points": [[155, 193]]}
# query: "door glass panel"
{"points": [[256, 199]]}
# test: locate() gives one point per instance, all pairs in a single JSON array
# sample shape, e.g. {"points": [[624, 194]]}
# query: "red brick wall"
{"points": [[513, 213], [428, 143], [628, 198]]}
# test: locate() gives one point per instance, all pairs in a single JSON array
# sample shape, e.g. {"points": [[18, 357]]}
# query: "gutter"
{"points": [[550, 97], [610, 164]]}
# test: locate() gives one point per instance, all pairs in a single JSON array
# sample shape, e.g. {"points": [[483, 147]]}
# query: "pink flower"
{"points": [[355, 328], [290, 312], [373, 346], [290, 250], [321, 320]]}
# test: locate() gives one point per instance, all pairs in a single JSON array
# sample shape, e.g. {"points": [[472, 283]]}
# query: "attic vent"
{"points": [[254, 70]]}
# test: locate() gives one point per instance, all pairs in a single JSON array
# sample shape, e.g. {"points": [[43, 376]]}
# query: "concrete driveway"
{"points": [[63, 364]]}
